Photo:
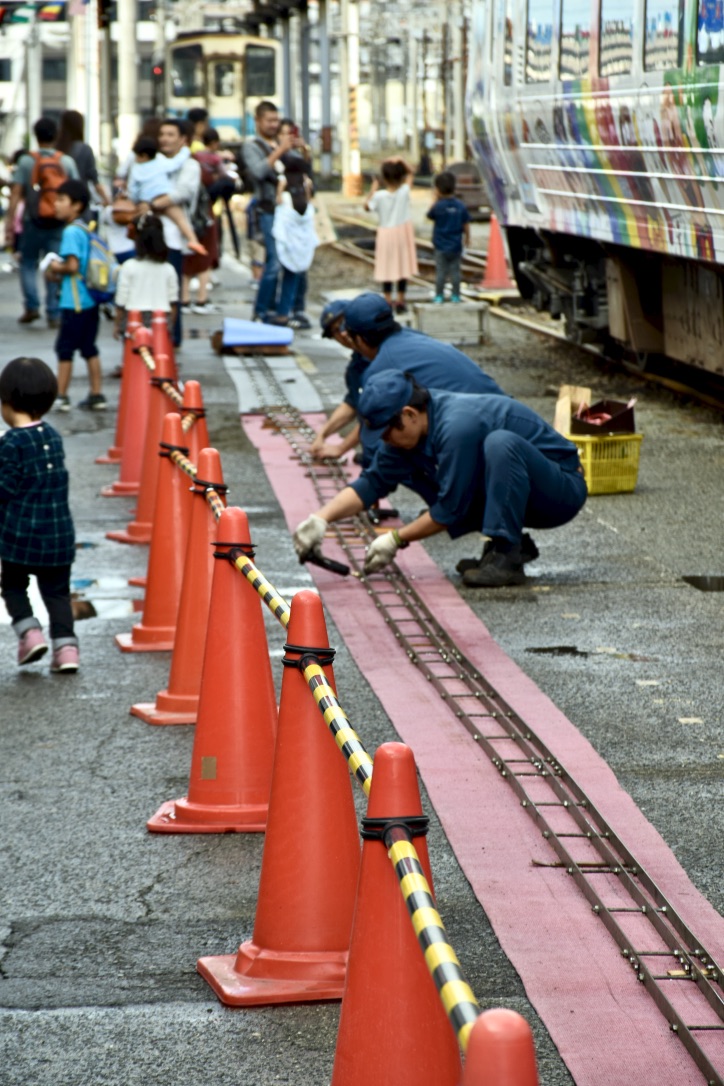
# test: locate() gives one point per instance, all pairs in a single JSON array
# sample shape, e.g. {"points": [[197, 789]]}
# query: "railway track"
{"points": [[706, 389], [663, 952]]}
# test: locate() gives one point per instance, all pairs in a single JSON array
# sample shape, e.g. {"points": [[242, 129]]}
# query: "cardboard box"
{"points": [[570, 399]]}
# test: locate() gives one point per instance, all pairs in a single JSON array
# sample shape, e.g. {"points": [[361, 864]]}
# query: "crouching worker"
{"points": [[481, 463], [36, 529]]}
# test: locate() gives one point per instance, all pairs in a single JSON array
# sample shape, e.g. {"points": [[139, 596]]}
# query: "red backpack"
{"points": [[48, 174]]}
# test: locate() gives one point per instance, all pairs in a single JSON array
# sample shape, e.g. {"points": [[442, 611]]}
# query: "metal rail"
{"points": [[662, 951]]}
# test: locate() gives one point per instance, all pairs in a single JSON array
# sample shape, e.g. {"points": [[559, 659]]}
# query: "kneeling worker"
{"points": [[481, 463]]}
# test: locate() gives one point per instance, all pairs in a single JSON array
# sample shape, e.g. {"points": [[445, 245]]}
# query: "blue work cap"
{"points": [[368, 313], [383, 397], [331, 313]]}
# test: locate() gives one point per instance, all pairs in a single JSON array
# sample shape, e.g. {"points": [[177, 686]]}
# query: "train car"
{"points": [[597, 128], [226, 73]]}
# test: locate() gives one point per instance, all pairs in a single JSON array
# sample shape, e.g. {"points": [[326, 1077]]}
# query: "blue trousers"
{"points": [[34, 244], [523, 488], [266, 295], [176, 258]]}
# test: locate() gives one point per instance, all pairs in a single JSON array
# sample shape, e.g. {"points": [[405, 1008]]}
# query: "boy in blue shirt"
{"points": [[450, 232], [78, 310]]}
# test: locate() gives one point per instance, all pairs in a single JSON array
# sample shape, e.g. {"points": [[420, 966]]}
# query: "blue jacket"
{"points": [[353, 378], [36, 528], [447, 469], [433, 365]]}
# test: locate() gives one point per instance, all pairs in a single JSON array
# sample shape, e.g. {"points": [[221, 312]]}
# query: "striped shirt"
{"points": [[36, 528]]}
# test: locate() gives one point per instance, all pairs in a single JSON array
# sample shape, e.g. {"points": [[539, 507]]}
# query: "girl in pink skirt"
{"points": [[395, 255]]}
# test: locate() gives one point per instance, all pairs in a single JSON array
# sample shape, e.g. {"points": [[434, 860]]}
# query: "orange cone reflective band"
{"points": [[309, 869], [500, 1051], [157, 629], [115, 451], [140, 528], [496, 268], [231, 764], [135, 377], [178, 703], [389, 995]]}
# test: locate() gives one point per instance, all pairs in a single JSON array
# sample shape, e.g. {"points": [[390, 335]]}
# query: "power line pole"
{"points": [[349, 72], [128, 117]]}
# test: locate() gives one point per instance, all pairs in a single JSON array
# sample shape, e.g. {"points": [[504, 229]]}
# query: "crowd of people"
{"points": [[422, 413]]}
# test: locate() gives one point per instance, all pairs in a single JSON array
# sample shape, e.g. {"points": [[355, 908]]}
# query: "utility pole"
{"points": [[326, 92], [460, 142], [33, 74], [349, 72], [413, 99], [128, 117], [90, 56]]}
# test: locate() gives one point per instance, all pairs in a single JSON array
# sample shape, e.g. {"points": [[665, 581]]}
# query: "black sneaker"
{"points": [[528, 552], [62, 403], [29, 316], [302, 321], [93, 402], [496, 570]]}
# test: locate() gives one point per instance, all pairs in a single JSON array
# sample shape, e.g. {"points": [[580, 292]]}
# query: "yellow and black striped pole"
{"points": [[276, 604], [346, 738], [457, 996]]}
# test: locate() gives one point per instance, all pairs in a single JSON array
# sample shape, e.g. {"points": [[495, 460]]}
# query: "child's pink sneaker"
{"points": [[31, 646], [65, 660]]}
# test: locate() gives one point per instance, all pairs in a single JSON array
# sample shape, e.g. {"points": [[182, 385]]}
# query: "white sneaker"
{"points": [[206, 307]]}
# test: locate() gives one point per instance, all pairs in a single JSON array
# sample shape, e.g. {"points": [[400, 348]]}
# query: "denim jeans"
{"points": [[266, 296], [300, 298], [447, 266], [54, 587], [176, 258], [288, 293], [34, 244]]}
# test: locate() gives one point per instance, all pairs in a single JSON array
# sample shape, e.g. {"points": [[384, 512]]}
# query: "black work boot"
{"points": [[529, 553], [497, 569]]}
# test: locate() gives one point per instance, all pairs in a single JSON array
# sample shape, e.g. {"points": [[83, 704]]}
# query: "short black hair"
{"points": [[76, 191], [375, 337], [45, 130], [145, 145], [445, 183], [265, 106], [394, 170], [211, 136], [28, 385], [197, 114], [419, 399], [175, 122], [150, 242]]}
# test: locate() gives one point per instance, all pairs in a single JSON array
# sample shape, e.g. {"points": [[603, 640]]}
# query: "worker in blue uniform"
{"points": [[380, 343], [482, 463], [332, 324]]}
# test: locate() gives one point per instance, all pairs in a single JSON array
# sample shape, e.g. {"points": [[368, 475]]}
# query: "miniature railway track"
{"points": [[709, 390], [662, 951]]}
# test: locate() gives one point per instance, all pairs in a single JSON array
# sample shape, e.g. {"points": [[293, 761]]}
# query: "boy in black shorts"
{"points": [[78, 310]]}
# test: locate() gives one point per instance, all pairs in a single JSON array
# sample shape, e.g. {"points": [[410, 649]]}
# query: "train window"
{"points": [[616, 56], [664, 20], [539, 40], [575, 38], [260, 71], [187, 71], [710, 32], [224, 82]]}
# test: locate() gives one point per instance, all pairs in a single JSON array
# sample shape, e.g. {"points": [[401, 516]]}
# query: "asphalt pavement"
{"points": [[101, 923]]}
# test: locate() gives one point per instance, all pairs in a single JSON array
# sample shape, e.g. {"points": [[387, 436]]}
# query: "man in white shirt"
{"points": [[184, 192]]}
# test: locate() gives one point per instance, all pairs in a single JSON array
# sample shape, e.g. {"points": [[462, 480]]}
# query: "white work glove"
{"points": [[308, 536], [381, 552]]}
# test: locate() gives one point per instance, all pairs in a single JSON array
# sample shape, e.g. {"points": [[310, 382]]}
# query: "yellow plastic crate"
{"points": [[610, 463]]}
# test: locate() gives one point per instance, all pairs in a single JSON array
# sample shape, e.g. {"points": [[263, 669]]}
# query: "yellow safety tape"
{"points": [[413, 883], [426, 918], [454, 992], [439, 954], [403, 850]]}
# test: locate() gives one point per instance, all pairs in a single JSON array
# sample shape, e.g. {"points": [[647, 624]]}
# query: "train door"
{"points": [[260, 81], [224, 89], [186, 77]]}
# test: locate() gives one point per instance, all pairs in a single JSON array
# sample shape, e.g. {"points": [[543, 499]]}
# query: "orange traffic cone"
{"points": [[161, 340], [496, 269], [197, 437], [178, 704], [140, 528], [157, 629], [500, 1051], [390, 994], [309, 868], [133, 321], [137, 385], [231, 764]]}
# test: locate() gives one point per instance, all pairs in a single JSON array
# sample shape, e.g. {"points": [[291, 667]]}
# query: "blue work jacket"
{"points": [[447, 468]]}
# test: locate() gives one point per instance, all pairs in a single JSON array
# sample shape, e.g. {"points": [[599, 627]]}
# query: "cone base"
{"points": [[185, 711], [113, 456], [255, 977], [120, 490], [141, 536], [180, 816], [498, 284], [138, 582], [147, 639]]}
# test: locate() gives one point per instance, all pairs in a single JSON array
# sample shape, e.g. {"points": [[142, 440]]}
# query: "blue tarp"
{"points": [[240, 333]]}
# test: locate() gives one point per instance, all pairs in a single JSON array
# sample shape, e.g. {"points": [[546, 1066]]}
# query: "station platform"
{"points": [[101, 924]]}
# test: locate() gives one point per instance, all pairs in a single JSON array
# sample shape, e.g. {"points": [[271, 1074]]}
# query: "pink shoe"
{"points": [[65, 660], [31, 646]]}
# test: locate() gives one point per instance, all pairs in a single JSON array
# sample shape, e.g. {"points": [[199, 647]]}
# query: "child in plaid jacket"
{"points": [[36, 529]]}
